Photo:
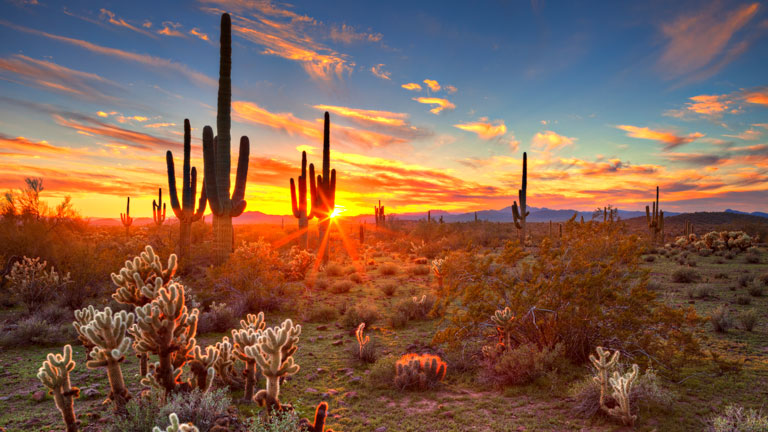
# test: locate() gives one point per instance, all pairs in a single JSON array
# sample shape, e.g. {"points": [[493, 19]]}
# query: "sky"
{"points": [[432, 103]]}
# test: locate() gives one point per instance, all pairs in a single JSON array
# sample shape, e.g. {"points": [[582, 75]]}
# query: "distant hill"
{"points": [[759, 214]]}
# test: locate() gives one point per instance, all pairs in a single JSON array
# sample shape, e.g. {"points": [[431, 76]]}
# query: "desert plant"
{"points": [[33, 285], [244, 338], [389, 288], [437, 268], [334, 270], [158, 208], [226, 372], [520, 214], [720, 319], [366, 351], [739, 419], [748, 319], [185, 210], [745, 279], [54, 374], [752, 258], [125, 218], [217, 158], [755, 289], [685, 275], [300, 206], [419, 371], [323, 192], [218, 318], [318, 425], [274, 354], [382, 375], [201, 366], [285, 421], [700, 291], [341, 286], [299, 263], [521, 364], [743, 300], [356, 278], [204, 409], [34, 330], [175, 426], [622, 387], [361, 313], [389, 269], [321, 313]]}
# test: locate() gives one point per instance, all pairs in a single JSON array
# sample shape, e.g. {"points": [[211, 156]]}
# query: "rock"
{"points": [[312, 377], [311, 339], [350, 395], [355, 379], [333, 392], [322, 370], [338, 336], [38, 395], [322, 327], [310, 390], [337, 343], [4, 398], [320, 337], [381, 429], [91, 392], [447, 414]]}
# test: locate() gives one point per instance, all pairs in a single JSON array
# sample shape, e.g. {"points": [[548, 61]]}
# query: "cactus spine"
{"points": [[185, 211], [300, 207], [323, 192], [54, 374], [158, 208], [378, 212], [106, 333], [520, 213], [216, 157], [655, 220], [126, 218]]}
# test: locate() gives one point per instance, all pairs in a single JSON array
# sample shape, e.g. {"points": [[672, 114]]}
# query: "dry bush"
{"points": [[752, 258], [700, 291], [218, 318], [745, 279], [334, 270], [389, 288], [389, 269], [382, 375], [739, 419], [720, 319], [320, 312], [34, 285], [356, 278], [418, 270], [299, 263], [685, 275], [416, 308], [341, 286], [34, 330], [748, 319], [521, 365], [647, 391], [763, 278], [321, 284], [361, 313], [743, 300]]}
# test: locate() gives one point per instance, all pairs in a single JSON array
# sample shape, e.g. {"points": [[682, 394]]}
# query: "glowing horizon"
{"points": [[430, 109]]}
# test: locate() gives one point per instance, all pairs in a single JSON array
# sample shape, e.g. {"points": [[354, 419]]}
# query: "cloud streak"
{"points": [[669, 139], [441, 104]]}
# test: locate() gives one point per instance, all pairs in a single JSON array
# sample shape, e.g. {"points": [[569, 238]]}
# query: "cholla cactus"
{"points": [[224, 365], [604, 363], [420, 371], [622, 386], [255, 322], [54, 374], [437, 268], [140, 279], [505, 321], [243, 339], [319, 424], [82, 318], [202, 368], [165, 328], [176, 426], [361, 340], [106, 332], [274, 353], [31, 283]]}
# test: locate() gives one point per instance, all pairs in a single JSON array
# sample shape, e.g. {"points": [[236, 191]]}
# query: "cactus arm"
{"points": [[203, 196], [187, 199], [238, 195], [172, 185], [209, 171], [313, 212], [294, 203]]}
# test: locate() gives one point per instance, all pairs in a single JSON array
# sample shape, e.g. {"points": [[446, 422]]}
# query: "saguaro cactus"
{"points": [[126, 218], [688, 228], [323, 191], [655, 220], [274, 353], [185, 211], [54, 374], [107, 333], [520, 213], [216, 157], [378, 212], [300, 206], [158, 208]]}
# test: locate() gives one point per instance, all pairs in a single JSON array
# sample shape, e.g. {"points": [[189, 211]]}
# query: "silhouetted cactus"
{"points": [[300, 206], [323, 192], [362, 233], [201, 365], [521, 213], [655, 220], [158, 208], [185, 211], [361, 340], [126, 218], [54, 374], [378, 212], [216, 157], [321, 412]]}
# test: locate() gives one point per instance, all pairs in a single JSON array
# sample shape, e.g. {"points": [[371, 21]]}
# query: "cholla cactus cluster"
{"points": [[438, 266], [605, 364], [734, 241], [419, 371], [106, 333], [225, 364], [54, 374], [364, 349], [274, 354], [176, 426], [299, 263], [504, 320], [247, 336], [140, 279], [33, 284]]}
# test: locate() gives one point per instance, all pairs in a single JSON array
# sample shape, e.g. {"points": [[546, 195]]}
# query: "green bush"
{"points": [[334, 270], [321, 312], [720, 319], [389, 288], [34, 330], [279, 422], [739, 419], [382, 375], [219, 318]]}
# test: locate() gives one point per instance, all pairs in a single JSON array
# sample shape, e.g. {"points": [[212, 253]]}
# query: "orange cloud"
{"points": [[451, 89], [748, 135], [159, 125], [484, 129], [669, 139], [197, 33], [170, 28], [432, 84], [708, 105], [24, 146], [442, 104], [412, 86], [378, 72], [156, 62], [702, 39], [112, 19], [367, 116], [549, 141], [757, 96], [134, 139]]}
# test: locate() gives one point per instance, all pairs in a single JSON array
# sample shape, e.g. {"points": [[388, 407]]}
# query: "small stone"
{"points": [[337, 343], [322, 327], [310, 390], [381, 429], [322, 370], [333, 392], [90, 392], [355, 379], [350, 395], [38, 395], [312, 377]]}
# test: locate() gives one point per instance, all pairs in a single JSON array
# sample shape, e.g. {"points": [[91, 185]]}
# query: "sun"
{"points": [[337, 211]]}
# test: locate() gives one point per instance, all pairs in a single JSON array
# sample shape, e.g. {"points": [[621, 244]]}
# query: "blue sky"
{"points": [[432, 103]]}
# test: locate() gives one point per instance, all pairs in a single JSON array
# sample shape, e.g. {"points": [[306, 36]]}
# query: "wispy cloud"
{"points": [[148, 60], [668, 138], [347, 34], [412, 86], [198, 34], [714, 106], [171, 28], [92, 126], [484, 129], [432, 84], [115, 20], [747, 135], [442, 104], [549, 141], [379, 72]]}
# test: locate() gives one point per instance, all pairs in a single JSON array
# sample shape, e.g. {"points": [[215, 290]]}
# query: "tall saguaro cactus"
{"points": [[378, 212], [520, 213], [126, 218], [216, 157], [323, 191], [158, 208], [655, 219], [185, 211], [300, 206]]}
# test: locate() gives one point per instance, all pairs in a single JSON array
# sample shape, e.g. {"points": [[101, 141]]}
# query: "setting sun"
{"points": [[337, 211]]}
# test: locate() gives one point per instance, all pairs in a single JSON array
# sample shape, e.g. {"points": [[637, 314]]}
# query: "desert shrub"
{"points": [[752, 258], [382, 375], [744, 280], [721, 275], [739, 419], [581, 291], [218, 318], [653, 285], [369, 354], [685, 275], [389, 269], [700, 291], [334, 270], [763, 278], [692, 263], [649, 258], [341, 286], [361, 313], [356, 278], [33, 285], [200, 408], [419, 371], [322, 284], [728, 255], [415, 308], [521, 365], [748, 319], [398, 318], [743, 300], [705, 252], [646, 391], [418, 270], [755, 289], [299, 263], [719, 261], [141, 414], [36, 331], [287, 421], [389, 288], [321, 312], [720, 319]]}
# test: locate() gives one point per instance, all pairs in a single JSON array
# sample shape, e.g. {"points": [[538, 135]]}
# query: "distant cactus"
{"points": [[299, 205], [54, 374], [362, 233], [176, 426], [226, 373], [166, 329], [158, 208], [274, 354], [361, 340], [185, 211], [688, 228], [520, 213], [378, 212], [438, 265], [107, 332], [505, 322], [655, 220], [126, 218], [319, 424], [323, 192], [216, 157], [419, 371]]}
